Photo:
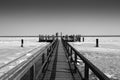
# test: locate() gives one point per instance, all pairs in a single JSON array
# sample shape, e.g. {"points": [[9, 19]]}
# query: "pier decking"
{"points": [[58, 68]]}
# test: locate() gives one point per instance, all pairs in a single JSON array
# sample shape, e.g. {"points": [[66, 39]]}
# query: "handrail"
{"points": [[46, 61], [16, 59], [25, 65], [88, 64]]}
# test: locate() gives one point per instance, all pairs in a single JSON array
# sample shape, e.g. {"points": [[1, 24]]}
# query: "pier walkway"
{"points": [[57, 61], [58, 68]]}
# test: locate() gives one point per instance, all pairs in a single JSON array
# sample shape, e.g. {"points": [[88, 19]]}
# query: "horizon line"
{"points": [[62, 35]]}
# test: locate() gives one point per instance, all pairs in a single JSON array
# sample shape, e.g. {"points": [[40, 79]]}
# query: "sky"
{"points": [[85, 17]]}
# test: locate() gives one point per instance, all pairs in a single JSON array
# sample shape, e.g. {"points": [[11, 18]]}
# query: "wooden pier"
{"points": [[55, 62], [58, 68]]}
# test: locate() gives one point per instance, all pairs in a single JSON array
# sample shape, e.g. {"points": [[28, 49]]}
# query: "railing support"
{"points": [[75, 62], [88, 65], [47, 51], [86, 75], [71, 60], [43, 58], [32, 73]]}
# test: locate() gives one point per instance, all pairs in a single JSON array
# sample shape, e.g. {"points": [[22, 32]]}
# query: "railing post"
{"points": [[47, 51], [50, 49], [66, 46], [68, 50], [71, 60], [86, 73], [71, 50], [43, 58], [32, 73], [75, 61]]}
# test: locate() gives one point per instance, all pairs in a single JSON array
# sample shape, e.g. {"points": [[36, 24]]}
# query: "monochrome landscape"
{"points": [[106, 57]]}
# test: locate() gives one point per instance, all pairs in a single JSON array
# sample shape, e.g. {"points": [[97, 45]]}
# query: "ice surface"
{"points": [[10, 49], [106, 57]]}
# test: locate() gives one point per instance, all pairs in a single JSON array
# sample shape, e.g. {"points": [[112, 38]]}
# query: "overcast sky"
{"points": [[67, 16]]}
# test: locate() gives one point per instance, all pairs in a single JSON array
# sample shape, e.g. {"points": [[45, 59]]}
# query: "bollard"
{"points": [[22, 42], [97, 43]]}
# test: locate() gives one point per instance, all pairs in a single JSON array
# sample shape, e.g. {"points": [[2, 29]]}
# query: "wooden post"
{"points": [[71, 60], [46, 38], [97, 43], [22, 42], [83, 39], [43, 58], [76, 37], [47, 51], [80, 38], [75, 62], [68, 50], [86, 73], [32, 73]]}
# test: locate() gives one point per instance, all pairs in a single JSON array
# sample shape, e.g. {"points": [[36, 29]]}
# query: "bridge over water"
{"points": [[57, 61]]}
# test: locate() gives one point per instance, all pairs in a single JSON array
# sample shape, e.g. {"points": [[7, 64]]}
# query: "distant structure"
{"points": [[57, 35], [61, 33]]}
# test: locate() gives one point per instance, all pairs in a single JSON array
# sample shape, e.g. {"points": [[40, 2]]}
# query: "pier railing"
{"points": [[32, 67], [87, 64]]}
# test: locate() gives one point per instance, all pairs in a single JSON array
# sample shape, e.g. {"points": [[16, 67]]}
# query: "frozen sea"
{"points": [[106, 57], [10, 50]]}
